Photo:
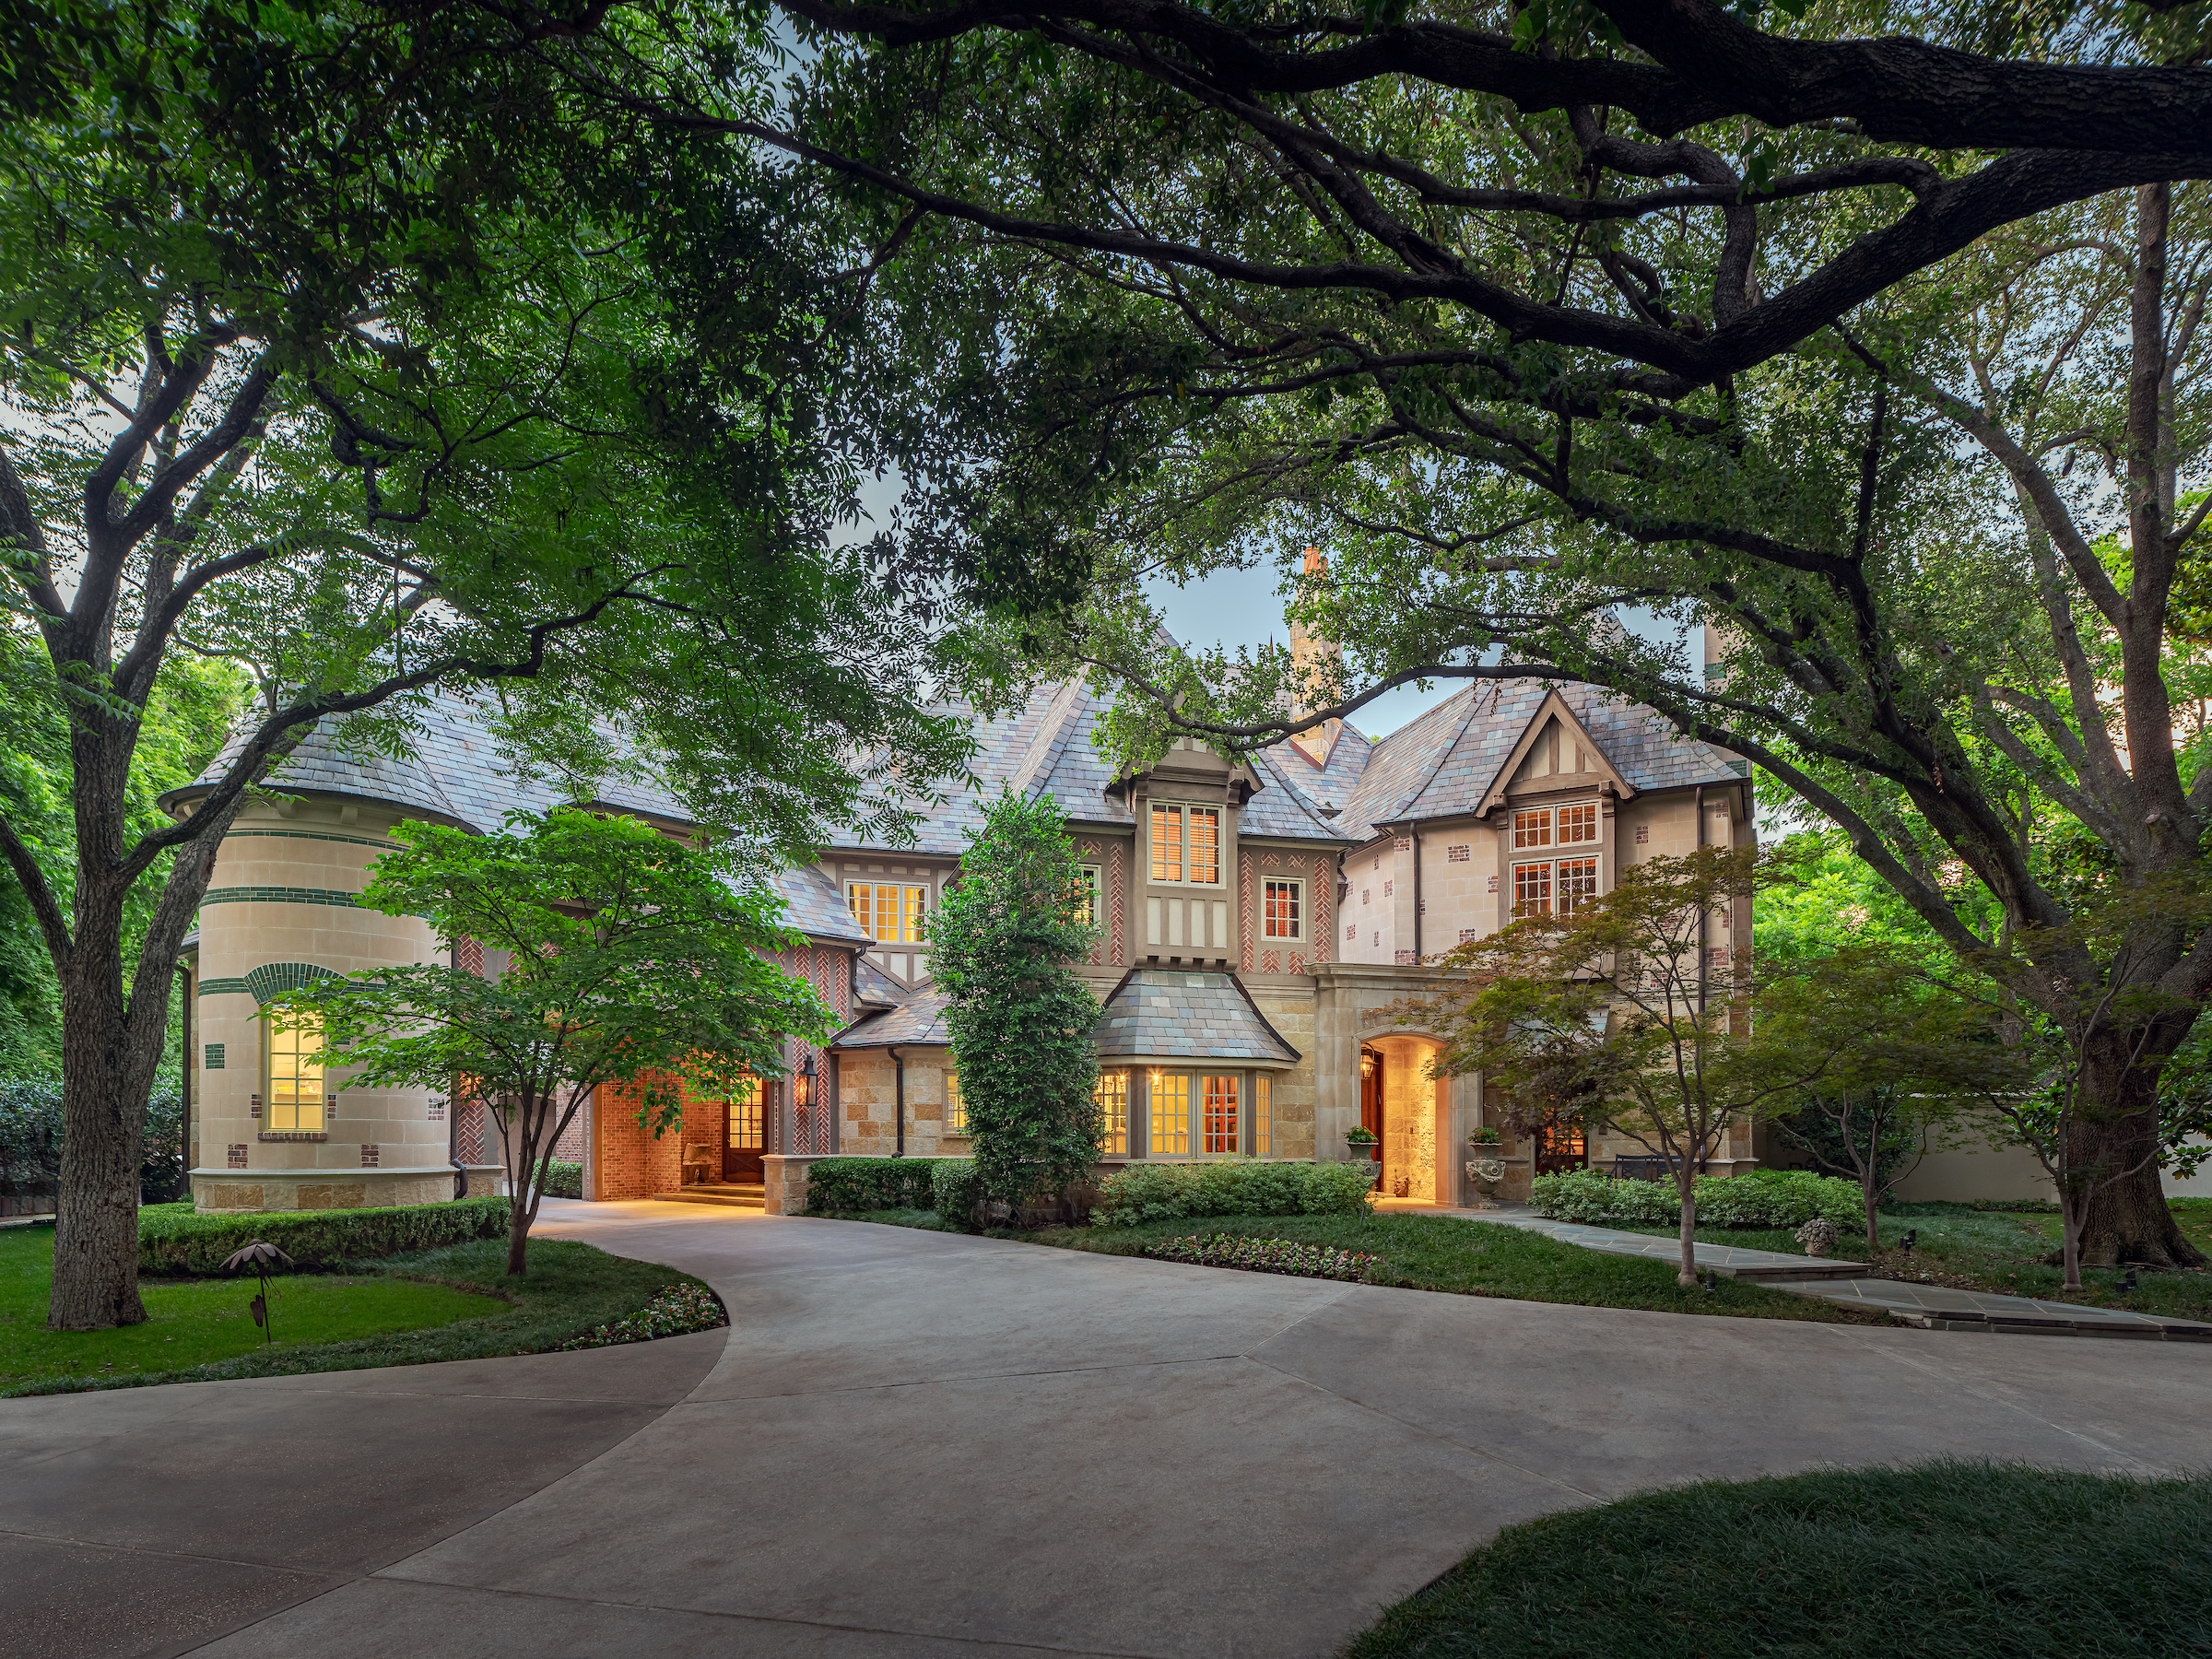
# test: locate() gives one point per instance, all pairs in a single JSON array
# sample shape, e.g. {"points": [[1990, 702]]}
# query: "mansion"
{"points": [[1261, 928]]}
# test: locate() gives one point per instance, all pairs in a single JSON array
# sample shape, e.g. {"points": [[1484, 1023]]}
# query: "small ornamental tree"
{"points": [[631, 959], [1899, 1057], [1609, 1016], [1020, 1015]]}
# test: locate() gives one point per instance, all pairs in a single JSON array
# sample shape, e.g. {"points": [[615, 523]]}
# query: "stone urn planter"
{"points": [[1486, 1173], [1363, 1148]]}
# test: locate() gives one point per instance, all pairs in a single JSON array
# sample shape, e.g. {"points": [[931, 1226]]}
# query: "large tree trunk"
{"points": [[108, 1064], [2114, 1142]]}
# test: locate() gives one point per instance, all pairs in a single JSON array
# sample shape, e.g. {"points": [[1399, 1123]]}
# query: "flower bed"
{"points": [[676, 1311], [1265, 1255]]}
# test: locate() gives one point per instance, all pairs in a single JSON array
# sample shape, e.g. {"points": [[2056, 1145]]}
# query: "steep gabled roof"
{"points": [[813, 906], [920, 1019]]}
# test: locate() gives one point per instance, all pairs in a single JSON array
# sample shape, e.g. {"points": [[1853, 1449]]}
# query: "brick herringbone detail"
{"points": [[1323, 902], [1244, 869], [471, 952], [1115, 906]]}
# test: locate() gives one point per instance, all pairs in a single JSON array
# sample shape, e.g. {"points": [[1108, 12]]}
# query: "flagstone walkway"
{"points": [[1932, 1307]]}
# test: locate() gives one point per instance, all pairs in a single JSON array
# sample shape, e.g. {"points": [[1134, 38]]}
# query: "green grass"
{"points": [[452, 1303], [1467, 1258], [1930, 1562], [1996, 1250]]}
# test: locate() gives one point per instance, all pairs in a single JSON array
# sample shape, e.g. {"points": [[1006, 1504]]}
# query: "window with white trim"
{"points": [[891, 911], [1554, 886], [1186, 843], [955, 1105], [1088, 909], [1262, 1115], [1283, 909], [1222, 1103], [744, 1121], [1171, 1114]]}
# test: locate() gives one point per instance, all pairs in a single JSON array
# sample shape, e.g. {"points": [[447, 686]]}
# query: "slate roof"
{"points": [[871, 987], [1172, 1013], [318, 766], [1045, 749], [816, 908], [1447, 762], [919, 1020], [1330, 785]]}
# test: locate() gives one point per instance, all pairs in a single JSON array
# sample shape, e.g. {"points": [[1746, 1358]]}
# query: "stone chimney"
{"points": [[1308, 653]]}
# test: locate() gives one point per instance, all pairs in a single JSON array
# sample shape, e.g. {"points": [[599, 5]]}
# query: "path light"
{"points": [[1912, 1238], [2127, 1285], [257, 1255]]}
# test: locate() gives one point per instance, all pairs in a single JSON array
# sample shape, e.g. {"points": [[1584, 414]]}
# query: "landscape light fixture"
{"points": [[257, 1255]]}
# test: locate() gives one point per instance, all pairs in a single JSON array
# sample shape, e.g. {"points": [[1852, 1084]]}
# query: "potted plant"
{"points": [[1483, 1137], [1361, 1140]]}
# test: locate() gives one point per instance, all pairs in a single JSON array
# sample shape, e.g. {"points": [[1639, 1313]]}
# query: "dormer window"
{"points": [[890, 911], [1186, 843]]}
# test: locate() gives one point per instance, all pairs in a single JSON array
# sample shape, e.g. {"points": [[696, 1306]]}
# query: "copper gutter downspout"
{"points": [[898, 1098], [1414, 835]]}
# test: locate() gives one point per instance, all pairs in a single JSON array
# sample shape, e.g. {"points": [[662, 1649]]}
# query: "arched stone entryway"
{"points": [[1415, 1116]]}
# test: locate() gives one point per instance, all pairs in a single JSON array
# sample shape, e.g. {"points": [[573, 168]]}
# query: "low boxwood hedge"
{"points": [[172, 1239], [564, 1180], [1233, 1187], [836, 1186], [956, 1191], [1763, 1198]]}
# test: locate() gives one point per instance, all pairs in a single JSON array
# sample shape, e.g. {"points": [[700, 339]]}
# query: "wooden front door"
{"points": [[741, 1144]]}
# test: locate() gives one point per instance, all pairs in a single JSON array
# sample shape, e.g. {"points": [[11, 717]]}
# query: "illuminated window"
{"points": [[891, 912], [1532, 828], [1542, 889], [1578, 824], [292, 1073], [1224, 1118], [744, 1116], [1112, 1095], [1087, 909], [1171, 1116], [955, 1107], [1284, 908], [1186, 845], [1532, 890], [1262, 1116]]}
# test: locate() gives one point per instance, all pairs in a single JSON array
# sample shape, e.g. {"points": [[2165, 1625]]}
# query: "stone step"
{"points": [[739, 1197], [1792, 1272]]}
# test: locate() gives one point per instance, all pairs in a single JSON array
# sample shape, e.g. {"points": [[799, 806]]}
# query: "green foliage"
{"points": [[1166, 1191], [633, 958], [563, 1179], [1018, 1015], [676, 1311], [956, 1191], [174, 1239], [869, 1184], [1944, 1557], [30, 1141], [1761, 1198]]}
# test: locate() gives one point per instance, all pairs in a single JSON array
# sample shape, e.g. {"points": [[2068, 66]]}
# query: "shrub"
{"points": [[956, 1190], [174, 1239], [1764, 1198], [676, 1311], [838, 1184], [1147, 1191], [30, 1142], [564, 1180]]}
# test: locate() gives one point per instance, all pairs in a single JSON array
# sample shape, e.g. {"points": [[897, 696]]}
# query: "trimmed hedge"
{"points": [[564, 1180], [956, 1191], [1763, 1198], [836, 1186], [1147, 1191], [172, 1239]]}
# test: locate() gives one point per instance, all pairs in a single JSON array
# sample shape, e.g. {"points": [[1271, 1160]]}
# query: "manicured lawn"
{"points": [[1997, 1250], [454, 1303], [1940, 1559], [1468, 1258]]}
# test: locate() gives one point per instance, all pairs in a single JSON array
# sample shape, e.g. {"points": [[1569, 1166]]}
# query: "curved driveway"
{"points": [[912, 1443]]}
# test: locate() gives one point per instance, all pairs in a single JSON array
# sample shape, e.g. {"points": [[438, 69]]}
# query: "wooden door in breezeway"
{"points": [[741, 1142]]}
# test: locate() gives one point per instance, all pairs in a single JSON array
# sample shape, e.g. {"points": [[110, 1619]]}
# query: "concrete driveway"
{"points": [[910, 1443]]}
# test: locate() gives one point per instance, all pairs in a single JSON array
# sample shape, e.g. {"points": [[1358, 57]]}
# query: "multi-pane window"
{"points": [[1284, 911], [1171, 1116], [1112, 1094], [1532, 827], [890, 911], [955, 1107], [1186, 843], [1087, 909], [1554, 887], [1223, 1128], [293, 1066], [1262, 1116], [1578, 824], [744, 1116]]}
